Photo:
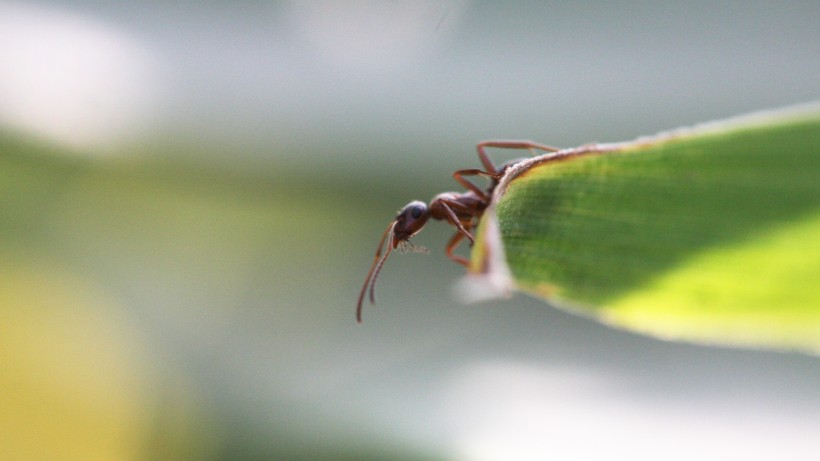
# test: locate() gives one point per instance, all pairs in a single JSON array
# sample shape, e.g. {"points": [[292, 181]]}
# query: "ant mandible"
{"points": [[461, 209]]}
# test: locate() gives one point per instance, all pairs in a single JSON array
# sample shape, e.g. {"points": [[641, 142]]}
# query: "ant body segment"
{"points": [[460, 209]]}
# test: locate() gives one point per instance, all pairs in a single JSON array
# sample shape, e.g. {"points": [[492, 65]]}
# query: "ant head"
{"points": [[409, 221]]}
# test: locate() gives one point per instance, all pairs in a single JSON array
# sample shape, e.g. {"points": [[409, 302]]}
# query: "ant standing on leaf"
{"points": [[460, 209]]}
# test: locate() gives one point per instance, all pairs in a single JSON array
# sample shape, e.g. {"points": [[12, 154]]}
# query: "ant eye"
{"points": [[413, 210]]}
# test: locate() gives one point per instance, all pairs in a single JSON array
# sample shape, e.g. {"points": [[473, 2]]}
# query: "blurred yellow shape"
{"points": [[74, 381]]}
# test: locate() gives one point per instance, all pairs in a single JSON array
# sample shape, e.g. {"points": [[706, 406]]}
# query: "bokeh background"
{"points": [[191, 194]]}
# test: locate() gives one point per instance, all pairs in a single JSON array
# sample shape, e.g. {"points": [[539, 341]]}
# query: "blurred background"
{"points": [[191, 194]]}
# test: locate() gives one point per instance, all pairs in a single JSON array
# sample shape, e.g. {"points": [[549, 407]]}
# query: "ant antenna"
{"points": [[375, 268]]}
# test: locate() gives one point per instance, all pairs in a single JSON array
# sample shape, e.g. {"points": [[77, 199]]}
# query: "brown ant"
{"points": [[461, 209]]}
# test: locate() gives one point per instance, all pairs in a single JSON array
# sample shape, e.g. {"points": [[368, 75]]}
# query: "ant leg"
{"points": [[452, 245], [459, 176], [530, 145], [446, 204]]}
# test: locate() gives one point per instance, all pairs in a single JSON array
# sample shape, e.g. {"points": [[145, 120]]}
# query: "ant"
{"points": [[460, 209]]}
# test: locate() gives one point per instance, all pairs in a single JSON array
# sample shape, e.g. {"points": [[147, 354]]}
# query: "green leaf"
{"points": [[709, 234]]}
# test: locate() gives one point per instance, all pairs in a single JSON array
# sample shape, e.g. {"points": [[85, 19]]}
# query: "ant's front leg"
{"points": [[447, 205]]}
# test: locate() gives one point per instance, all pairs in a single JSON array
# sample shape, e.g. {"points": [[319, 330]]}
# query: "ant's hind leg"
{"points": [[530, 145], [452, 245]]}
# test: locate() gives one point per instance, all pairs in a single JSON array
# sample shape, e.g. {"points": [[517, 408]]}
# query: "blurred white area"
{"points": [[359, 38], [291, 81], [73, 79], [527, 412]]}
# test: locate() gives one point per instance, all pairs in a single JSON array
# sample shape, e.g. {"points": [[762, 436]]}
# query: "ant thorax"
{"points": [[465, 205]]}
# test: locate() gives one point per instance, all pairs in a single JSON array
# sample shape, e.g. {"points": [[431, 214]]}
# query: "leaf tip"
{"points": [[489, 276]]}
